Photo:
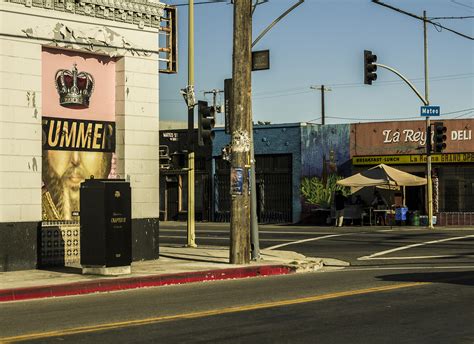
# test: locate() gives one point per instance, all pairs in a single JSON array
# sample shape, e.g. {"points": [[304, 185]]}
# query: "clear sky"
{"points": [[322, 42]]}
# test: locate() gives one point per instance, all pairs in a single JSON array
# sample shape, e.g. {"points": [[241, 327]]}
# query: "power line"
{"points": [[314, 120], [438, 18], [461, 4], [378, 2], [281, 94], [465, 114], [303, 90], [397, 117]]}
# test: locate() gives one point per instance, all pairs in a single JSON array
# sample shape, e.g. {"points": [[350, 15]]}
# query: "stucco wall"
{"points": [[137, 111]]}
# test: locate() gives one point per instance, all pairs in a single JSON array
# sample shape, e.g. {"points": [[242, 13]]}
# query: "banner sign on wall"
{"points": [[78, 135], [78, 120], [445, 158]]}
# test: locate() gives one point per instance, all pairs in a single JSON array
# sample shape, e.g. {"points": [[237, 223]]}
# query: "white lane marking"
{"points": [[213, 238], [228, 231], [306, 240], [373, 256], [413, 257]]}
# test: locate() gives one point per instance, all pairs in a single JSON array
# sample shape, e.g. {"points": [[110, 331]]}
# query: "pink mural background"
{"points": [[102, 68]]}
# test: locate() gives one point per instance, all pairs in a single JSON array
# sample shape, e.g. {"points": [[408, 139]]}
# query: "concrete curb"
{"points": [[106, 285]]}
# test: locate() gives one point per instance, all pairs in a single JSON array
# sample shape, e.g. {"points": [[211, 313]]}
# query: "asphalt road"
{"points": [[361, 246], [348, 306], [415, 300]]}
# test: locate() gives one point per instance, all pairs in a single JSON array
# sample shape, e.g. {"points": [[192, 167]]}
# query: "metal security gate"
{"points": [[174, 193], [274, 189]]}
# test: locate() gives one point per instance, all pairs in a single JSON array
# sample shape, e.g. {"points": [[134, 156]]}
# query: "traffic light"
{"points": [[165, 159], [369, 67], [178, 160], [439, 137], [206, 121]]}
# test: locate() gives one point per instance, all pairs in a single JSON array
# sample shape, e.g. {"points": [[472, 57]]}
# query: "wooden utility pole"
{"points": [[323, 111], [241, 135]]}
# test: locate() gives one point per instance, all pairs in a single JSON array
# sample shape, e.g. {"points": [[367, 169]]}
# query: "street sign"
{"points": [[430, 111], [260, 60]]}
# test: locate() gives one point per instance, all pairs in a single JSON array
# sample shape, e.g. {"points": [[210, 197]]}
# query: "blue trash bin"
{"points": [[401, 214]]}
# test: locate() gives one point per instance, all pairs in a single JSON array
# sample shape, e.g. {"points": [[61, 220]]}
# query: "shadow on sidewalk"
{"points": [[192, 258], [63, 269]]}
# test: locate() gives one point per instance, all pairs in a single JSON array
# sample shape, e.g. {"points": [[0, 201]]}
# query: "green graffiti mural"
{"points": [[320, 192]]}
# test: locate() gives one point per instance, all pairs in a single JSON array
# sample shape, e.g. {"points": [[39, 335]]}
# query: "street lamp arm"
{"points": [[276, 21], [404, 79]]}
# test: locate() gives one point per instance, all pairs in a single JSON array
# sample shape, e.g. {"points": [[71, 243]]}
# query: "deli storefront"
{"points": [[402, 144]]}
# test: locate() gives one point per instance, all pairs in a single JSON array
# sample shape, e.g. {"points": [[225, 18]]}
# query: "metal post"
{"points": [[191, 237], [190, 223], [428, 157], [254, 235]]}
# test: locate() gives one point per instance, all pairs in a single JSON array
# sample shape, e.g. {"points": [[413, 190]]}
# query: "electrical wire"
{"points": [[437, 18], [377, 118], [378, 2], [305, 89], [467, 113], [314, 120], [461, 4]]}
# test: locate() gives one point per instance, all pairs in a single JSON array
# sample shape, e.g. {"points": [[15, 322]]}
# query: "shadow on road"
{"points": [[452, 277]]}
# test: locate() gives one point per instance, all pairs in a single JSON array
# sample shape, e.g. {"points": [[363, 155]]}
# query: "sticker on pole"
{"points": [[236, 180], [430, 111]]}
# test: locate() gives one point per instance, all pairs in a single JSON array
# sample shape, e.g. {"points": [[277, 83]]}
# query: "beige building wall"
{"points": [[20, 108], [132, 37], [20, 128], [138, 131]]}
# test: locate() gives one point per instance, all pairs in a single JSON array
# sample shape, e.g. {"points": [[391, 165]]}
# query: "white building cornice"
{"points": [[143, 13]]}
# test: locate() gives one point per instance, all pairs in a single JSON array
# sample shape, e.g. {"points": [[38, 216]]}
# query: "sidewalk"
{"points": [[177, 265]]}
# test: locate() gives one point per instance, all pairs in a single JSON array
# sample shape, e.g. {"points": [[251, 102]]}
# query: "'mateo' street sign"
{"points": [[430, 111]]}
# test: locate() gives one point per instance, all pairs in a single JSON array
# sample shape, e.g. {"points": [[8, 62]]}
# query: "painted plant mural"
{"points": [[325, 160]]}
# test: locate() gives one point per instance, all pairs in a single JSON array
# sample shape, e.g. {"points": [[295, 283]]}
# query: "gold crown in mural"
{"points": [[75, 89]]}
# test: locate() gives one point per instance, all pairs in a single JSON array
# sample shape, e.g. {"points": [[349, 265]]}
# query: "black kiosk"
{"points": [[106, 237]]}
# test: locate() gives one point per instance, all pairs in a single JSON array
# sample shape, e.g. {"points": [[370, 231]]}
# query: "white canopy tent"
{"points": [[382, 176]]}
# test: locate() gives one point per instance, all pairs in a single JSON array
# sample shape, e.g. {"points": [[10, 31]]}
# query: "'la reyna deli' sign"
{"points": [[407, 137], [410, 135]]}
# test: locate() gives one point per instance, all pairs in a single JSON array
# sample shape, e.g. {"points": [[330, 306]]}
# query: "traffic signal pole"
{"points": [[254, 235], [429, 188], [425, 100], [190, 223]]}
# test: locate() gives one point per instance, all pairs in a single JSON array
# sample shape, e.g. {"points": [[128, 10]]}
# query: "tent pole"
{"points": [[404, 195]]}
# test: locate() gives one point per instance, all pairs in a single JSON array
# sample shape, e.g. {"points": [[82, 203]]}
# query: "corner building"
{"points": [[402, 144], [79, 98]]}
